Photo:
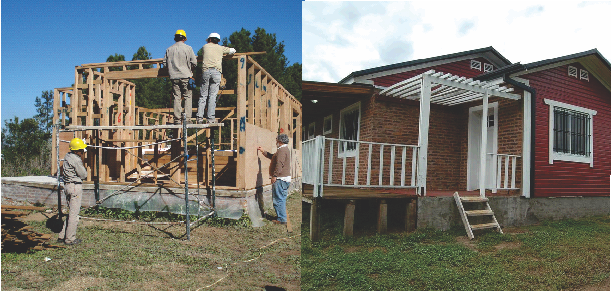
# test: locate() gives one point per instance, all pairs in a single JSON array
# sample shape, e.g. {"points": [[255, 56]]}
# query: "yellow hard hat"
{"points": [[77, 144], [181, 32]]}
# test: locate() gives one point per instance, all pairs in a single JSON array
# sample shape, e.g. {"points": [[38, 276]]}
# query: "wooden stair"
{"points": [[465, 214]]}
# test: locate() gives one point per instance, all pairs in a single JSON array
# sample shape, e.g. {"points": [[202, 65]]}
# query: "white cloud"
{"points": [[343, 37]]}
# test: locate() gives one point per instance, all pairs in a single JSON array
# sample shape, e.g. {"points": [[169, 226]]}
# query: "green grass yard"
{"points": [[557, 255]]}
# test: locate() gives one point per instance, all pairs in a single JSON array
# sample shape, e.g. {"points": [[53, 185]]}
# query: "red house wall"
{"points": [[564, 178]]}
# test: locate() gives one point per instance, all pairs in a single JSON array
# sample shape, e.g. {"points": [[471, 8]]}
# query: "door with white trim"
{"points": [[474, 146]]}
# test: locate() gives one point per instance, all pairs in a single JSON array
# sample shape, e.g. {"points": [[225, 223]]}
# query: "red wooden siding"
{"points": [[571, 178]]}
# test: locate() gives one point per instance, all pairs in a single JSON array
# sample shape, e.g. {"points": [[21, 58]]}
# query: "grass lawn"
{"points": [[556, 255], [120, 256]]}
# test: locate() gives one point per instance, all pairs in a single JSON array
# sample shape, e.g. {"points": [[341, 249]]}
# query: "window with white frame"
{"points": [[477, 65], [570, 133], [311, 128], [349, 124], [572, 71], [583, 75], [327, 125], [488, 67]]}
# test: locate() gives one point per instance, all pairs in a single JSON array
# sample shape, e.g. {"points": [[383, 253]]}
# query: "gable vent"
{"points": [[488, 67], [572, 71], [583, 74], [477, 65]]}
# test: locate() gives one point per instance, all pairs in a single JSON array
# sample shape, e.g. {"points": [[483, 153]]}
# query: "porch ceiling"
{"points": [[448, 89]]}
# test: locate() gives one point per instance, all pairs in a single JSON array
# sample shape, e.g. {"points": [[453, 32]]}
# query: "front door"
{"points": [[475, 140]]}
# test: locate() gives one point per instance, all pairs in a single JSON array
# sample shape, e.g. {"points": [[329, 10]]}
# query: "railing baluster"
{"points": [[403, 154], [330, 174], [513, 172], [369, 165], [506, 171], [392, 165], [499, 160], [414, 164], [381, 164], [356, 163], [344, 163]]}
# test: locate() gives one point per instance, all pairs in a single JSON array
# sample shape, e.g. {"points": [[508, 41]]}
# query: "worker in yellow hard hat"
{"points": [[74, 172], [180, 61]]}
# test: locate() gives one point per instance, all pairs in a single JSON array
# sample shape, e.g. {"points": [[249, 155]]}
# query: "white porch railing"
{"points": [[505, 180], [337, 162]]}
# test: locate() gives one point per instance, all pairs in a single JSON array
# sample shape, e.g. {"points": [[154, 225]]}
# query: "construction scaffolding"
{"points": [[136, 145]]}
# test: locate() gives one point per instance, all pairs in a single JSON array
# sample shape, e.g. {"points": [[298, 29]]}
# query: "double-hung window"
{"points": [[349, 124], [570, 133]]}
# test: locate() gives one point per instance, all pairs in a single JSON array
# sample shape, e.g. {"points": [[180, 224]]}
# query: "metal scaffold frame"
{"points": [[185, 156]]}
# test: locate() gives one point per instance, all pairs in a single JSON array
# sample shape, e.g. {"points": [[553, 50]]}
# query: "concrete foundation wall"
{"points": [[44, 190], [442, 213]]}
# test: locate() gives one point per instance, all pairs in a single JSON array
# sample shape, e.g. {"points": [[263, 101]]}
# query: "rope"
{"points": [[125, 148], [247, 261]]}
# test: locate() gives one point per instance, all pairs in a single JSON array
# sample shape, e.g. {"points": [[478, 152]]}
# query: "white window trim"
{"points": [[349, 153], [583, 76], [313, 126], [569, 71], [476, 65], [324, 122], [488, 67], [564, 156]]}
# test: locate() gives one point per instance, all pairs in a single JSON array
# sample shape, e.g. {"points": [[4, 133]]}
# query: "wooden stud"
{"points": [[315, 219], [411, 215], [241, 114]]}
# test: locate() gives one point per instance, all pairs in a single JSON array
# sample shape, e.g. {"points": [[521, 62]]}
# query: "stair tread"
{"points": [[484, 226], [479, 212], [473, 199]]}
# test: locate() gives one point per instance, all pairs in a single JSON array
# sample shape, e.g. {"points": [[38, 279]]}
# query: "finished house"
{"points": [[470, 122]]}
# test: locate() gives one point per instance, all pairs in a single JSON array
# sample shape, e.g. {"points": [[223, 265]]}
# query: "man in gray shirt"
{"points": [[180, 61], [74, 172]]}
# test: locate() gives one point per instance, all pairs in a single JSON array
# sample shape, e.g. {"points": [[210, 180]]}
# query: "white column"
{"points": [[526, 145], [423, 134], [482, 156]]}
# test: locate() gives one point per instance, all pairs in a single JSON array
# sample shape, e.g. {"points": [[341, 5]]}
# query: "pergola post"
{"points": [[423, 135], [482, 157]]}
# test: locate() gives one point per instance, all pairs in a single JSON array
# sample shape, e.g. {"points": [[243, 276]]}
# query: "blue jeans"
{"points": [[280, 190], [209, 89]]}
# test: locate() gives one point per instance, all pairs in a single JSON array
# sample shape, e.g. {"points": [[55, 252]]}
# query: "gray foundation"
{"points": [[442, 213], [42, 189]]}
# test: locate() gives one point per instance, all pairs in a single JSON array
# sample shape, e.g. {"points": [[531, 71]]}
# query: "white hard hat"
{"points": [[214, 35]]}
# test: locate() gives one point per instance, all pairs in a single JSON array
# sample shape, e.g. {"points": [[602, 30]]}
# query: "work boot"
{"points": [[75, 242], [212, 121]]}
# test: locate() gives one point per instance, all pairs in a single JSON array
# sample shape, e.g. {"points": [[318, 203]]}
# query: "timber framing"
{"points": [[131, 142]]}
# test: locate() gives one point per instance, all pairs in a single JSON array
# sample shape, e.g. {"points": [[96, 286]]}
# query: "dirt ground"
{"points": [[237, 258]]}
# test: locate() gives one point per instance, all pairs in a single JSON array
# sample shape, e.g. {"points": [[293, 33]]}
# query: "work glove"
{"points": [[191, 85]]}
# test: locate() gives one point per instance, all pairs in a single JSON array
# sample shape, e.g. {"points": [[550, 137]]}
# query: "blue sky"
{"points": [[42, 41], [361, 35]]}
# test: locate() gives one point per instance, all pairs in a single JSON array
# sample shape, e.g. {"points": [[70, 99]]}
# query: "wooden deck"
{"points": [[350, 193]]}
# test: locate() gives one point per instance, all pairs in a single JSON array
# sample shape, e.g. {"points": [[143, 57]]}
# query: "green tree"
{"points": [[115, 58], [26, 149], [151, 92], [44, 109]]}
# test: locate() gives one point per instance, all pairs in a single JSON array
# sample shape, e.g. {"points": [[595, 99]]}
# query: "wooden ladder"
{"points": [[465, 214]]}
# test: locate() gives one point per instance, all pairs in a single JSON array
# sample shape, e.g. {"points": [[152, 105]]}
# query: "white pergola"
{"points": [[447, 89]]}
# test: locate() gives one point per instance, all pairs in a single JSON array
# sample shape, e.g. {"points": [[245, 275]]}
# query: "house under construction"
{"points": [[131, 145]]}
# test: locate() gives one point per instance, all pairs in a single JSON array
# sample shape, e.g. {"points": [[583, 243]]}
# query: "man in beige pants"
{"points": [[74, 172]]}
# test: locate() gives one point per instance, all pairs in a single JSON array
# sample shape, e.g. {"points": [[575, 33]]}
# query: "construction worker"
{"points": [[280, 172], [211, 76], [74, 172], [180, 61]]}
